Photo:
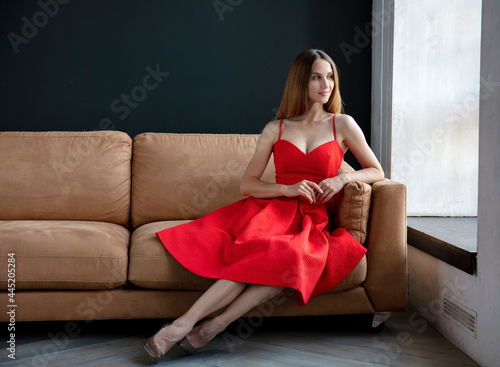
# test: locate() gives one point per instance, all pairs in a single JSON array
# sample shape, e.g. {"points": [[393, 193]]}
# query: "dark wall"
{"points": [[81, 65]]}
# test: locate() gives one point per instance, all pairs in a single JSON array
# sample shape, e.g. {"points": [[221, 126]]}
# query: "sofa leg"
{"points": [[379, 319]]}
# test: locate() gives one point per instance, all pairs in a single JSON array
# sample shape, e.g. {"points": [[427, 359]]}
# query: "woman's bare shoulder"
{"points": [[272, 128], [344, 123], [270, 133], [342, 118]]}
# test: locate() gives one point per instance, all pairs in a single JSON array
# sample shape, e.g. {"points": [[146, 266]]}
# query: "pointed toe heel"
{"points": [[152, 349]]}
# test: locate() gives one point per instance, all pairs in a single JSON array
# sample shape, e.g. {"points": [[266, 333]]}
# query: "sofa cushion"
{"points": [[64, 254], [185, 176], [152, 266], [65, 176], [350, 208]]}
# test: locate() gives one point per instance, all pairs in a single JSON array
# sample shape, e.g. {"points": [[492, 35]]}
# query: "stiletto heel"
{"points": [[152, 349]]}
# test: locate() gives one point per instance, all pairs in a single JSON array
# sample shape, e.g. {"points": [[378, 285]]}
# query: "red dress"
{"points": [[282, 241]]}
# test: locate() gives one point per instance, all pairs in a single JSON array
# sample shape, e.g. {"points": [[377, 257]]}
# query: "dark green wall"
{"points": [[74, 67]]}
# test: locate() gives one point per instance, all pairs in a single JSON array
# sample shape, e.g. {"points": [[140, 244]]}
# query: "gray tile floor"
{"points": [[406, 341]]}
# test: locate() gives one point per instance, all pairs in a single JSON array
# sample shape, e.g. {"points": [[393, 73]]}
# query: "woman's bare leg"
{"points": [[219, 295], [251, 297]]}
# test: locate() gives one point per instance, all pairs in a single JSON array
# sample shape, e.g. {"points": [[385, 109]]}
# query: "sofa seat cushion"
{"points": [[64, 254], [152, 266]]}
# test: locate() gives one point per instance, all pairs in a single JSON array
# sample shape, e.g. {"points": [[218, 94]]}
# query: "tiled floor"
{"points": [[406, 340]]}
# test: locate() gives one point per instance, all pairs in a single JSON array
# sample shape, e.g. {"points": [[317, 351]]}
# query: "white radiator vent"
{"points": [[460, 315]]}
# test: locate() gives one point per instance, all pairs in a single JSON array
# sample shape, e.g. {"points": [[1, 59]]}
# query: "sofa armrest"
{"points": [[385, 282]]}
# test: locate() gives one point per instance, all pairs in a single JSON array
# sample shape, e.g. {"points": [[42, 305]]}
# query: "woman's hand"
{"points": [[330, 187], [305, 188]]}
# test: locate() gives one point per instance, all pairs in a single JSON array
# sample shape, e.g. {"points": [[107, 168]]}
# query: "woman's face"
{"points": [[321, 82]]}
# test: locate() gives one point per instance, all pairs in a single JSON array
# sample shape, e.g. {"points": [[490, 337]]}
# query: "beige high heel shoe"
{"points": [[151, 347], [187, 347]]}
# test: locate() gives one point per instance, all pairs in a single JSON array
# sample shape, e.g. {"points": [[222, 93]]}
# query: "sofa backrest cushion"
{"points": [[350, 208], [185, 176], [65, 176]]}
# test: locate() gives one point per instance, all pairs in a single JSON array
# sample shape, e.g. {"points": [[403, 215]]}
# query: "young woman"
{"points": [[279, 236]]}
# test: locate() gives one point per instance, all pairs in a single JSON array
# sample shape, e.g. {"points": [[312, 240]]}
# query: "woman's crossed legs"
{"points": [[238, 298]]}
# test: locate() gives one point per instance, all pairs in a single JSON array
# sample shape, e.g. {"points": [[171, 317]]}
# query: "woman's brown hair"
{"points": [[294, 102]]}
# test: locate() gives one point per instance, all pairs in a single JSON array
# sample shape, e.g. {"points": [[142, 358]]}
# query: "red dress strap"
{"points": [[334, 133], [281, 125]]}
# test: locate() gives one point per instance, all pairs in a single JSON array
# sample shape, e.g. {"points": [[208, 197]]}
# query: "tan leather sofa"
{"points": [[79, 211]]}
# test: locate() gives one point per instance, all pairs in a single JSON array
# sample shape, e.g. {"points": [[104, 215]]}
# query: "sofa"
{"points": [[79, 212]]}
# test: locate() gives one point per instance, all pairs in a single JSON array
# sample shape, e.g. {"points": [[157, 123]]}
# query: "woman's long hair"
{"points": [[294, 102]]}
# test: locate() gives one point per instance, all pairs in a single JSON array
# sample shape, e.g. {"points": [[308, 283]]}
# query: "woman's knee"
{"points": [[230, 284]]}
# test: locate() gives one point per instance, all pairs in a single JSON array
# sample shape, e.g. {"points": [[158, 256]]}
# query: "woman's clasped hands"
{"points": [[316, 193]]}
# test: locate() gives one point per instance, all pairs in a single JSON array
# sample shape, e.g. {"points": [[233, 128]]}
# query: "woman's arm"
{"points": [[252, 185], [350, 136]]}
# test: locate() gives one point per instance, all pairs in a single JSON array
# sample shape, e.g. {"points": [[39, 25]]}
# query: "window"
{"points": [[426, 109]]}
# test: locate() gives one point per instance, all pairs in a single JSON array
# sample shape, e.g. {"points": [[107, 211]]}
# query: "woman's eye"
{"points": [[316, 77]]}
